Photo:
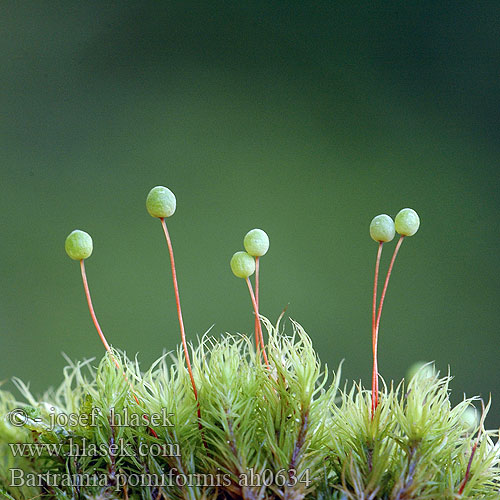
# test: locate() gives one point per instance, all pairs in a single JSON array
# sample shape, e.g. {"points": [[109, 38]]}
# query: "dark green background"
{"points": [[303, 118]]}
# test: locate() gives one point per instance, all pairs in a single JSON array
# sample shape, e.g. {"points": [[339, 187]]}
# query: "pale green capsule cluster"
{"points": [[383, 228], [78, 245], [242, 265], [161, 202], [256, 243]]}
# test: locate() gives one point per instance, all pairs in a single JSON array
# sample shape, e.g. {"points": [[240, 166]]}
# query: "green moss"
{"points": [[291, 423]]}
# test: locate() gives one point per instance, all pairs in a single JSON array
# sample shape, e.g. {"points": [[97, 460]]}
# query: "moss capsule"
{"points": [[382, 228], [242, 265], [470, 418], [78, 245], [407, 222], [422, 370], [256, 242], [161, 202]]}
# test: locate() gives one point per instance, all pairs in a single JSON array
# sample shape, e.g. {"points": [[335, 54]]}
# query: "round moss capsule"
{"points": [[161, 202], [78, 245], [407, 222], [242, 265], [470, 418], [382, 228], [422, 370], [256, 242]]}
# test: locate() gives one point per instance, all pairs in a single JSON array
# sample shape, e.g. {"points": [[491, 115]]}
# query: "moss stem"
{"points": [[181, 322], [178, 304], [382, 297], [374, 332], [259, 326], [257, 338], [99, 330]]}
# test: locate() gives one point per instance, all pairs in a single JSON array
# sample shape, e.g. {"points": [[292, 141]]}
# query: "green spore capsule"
{"points": [[256, 242], [242, 265], [382, 228], [79, 245], [470, 418], [422, 370], [407, 222], [161, 202]]}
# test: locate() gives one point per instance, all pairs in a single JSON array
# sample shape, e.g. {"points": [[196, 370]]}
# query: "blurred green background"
{"points": [[303, 118]]}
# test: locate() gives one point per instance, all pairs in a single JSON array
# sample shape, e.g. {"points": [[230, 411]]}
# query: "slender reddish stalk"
{"points": [[257, 338], [99, 330], [386, 283], [91, 309], [474, 448], [256, 311], [179, 315], [467, 472], [379, 314], [374, 333]]}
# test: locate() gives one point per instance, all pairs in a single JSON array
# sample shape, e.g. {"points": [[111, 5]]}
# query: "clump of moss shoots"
{"points": [[243, 417]]}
